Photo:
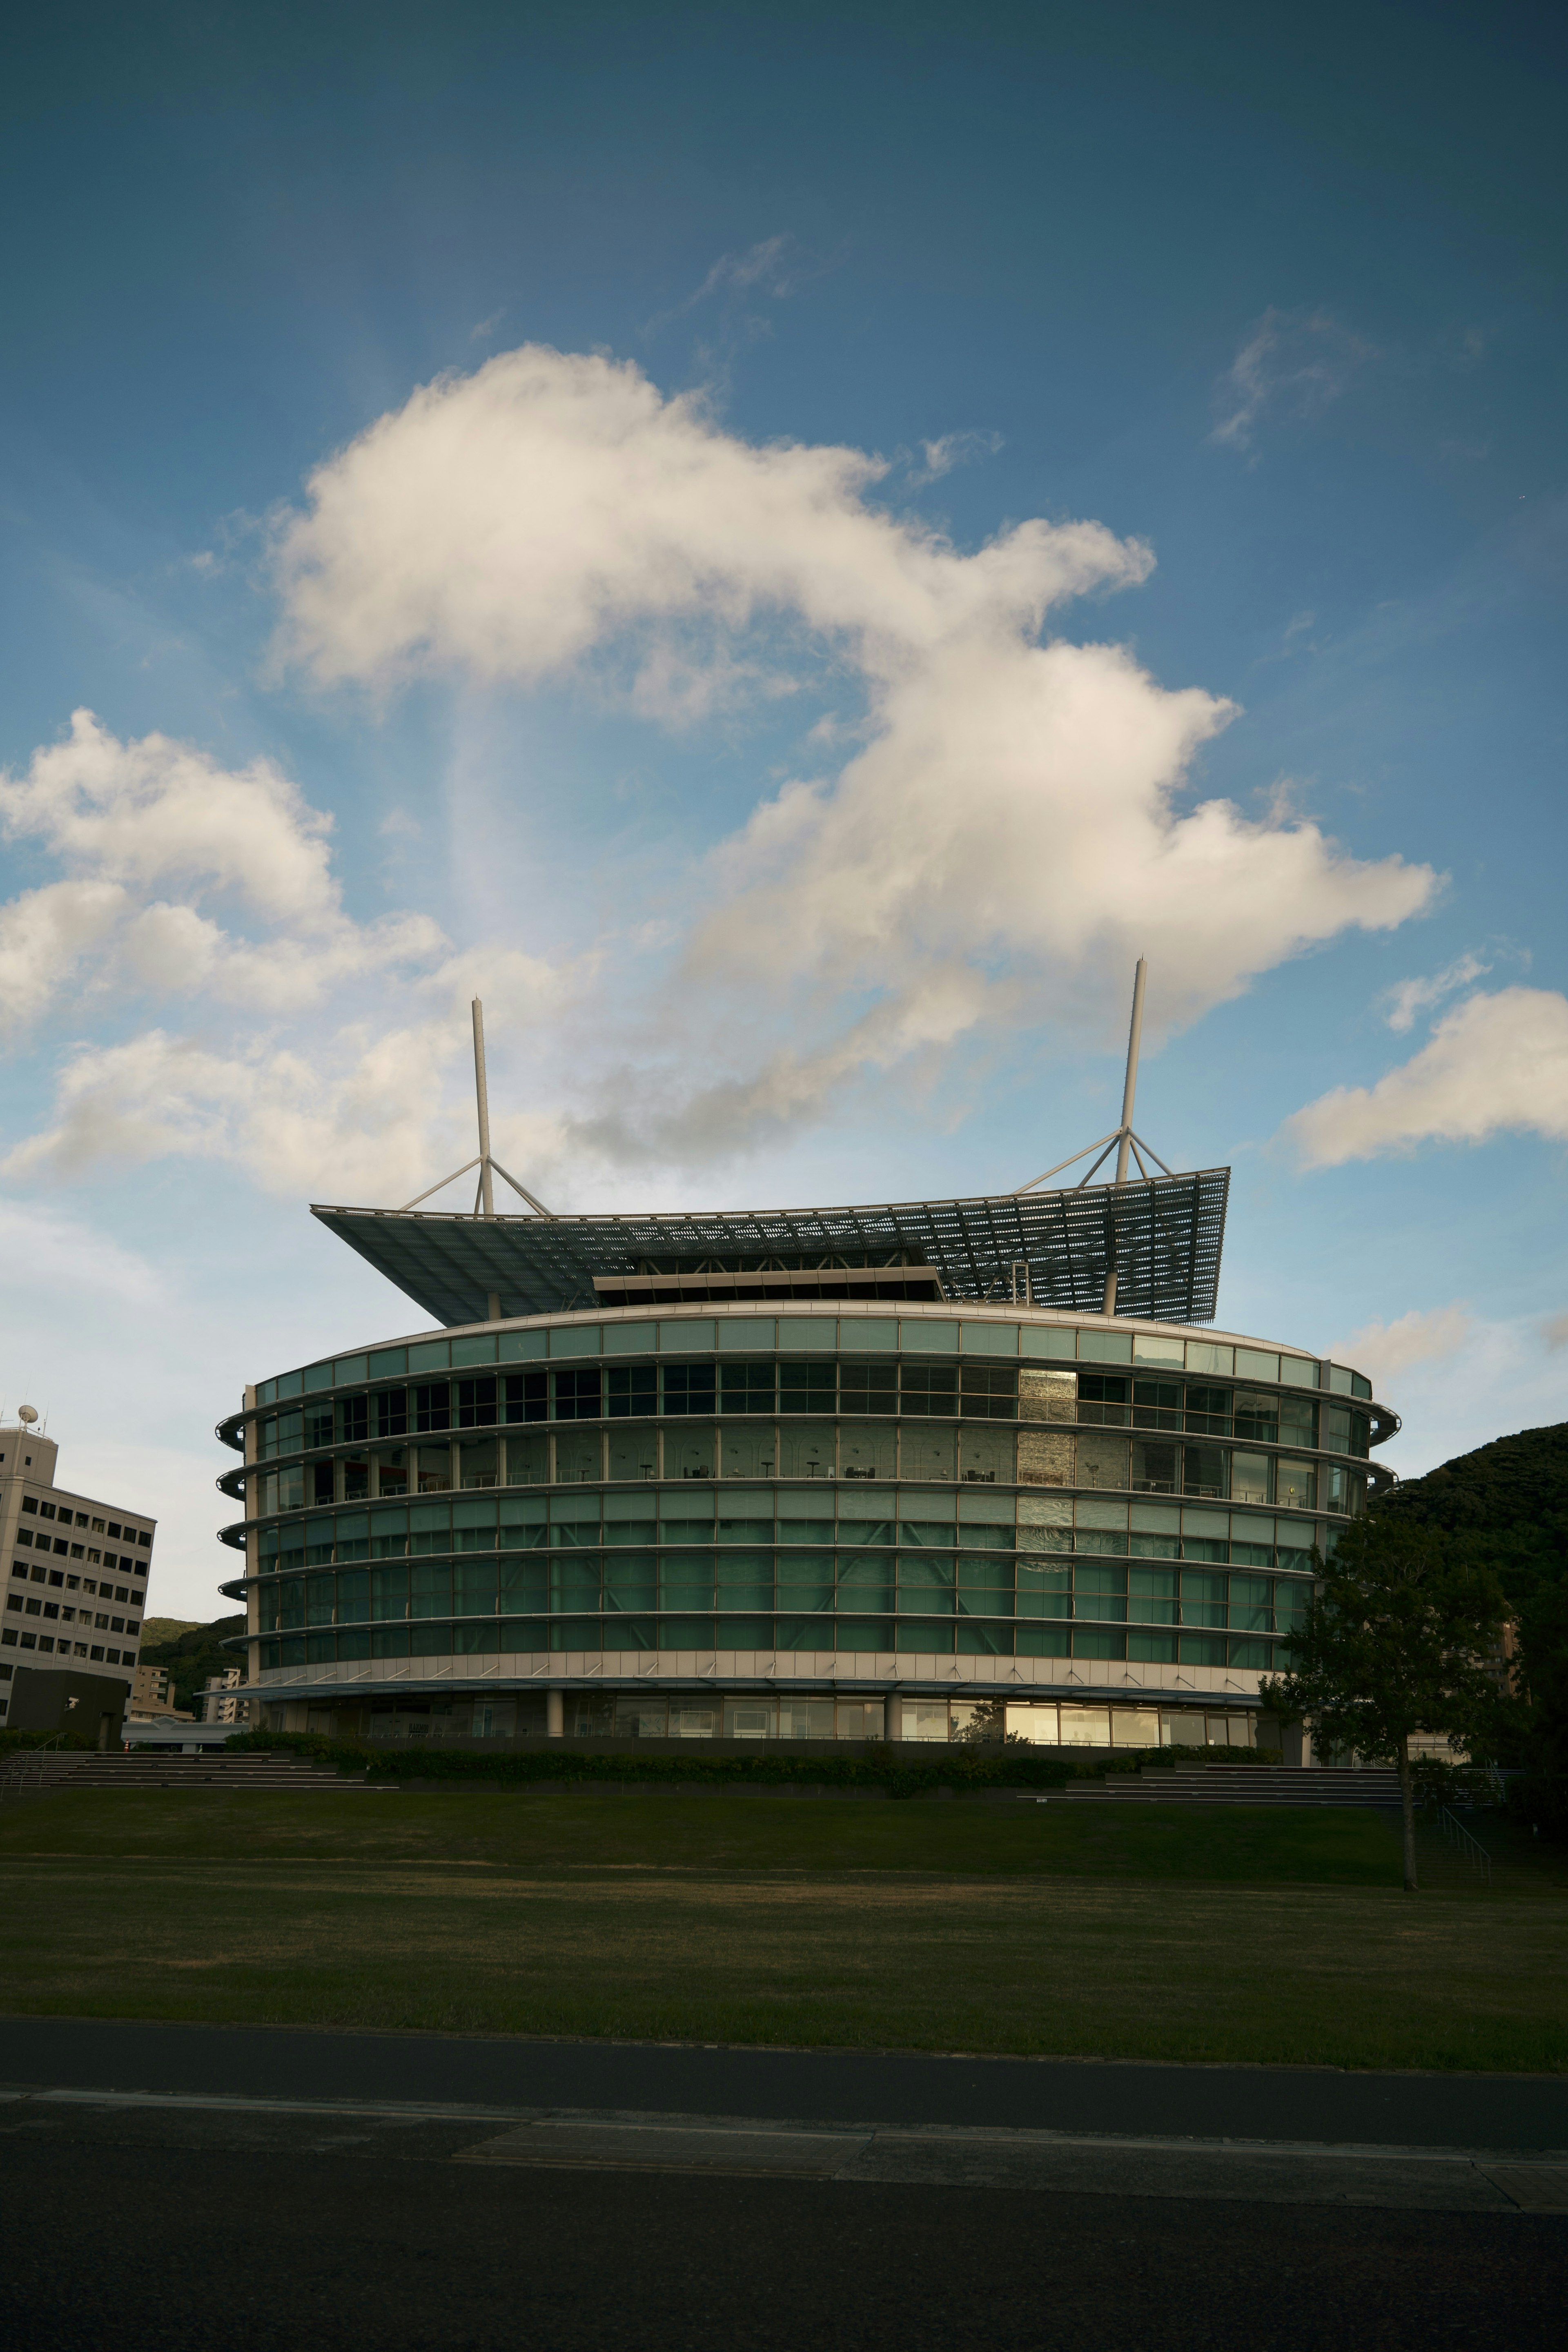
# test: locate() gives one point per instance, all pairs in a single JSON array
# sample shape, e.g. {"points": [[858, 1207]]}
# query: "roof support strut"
{"points": [[1124, 1140], [485, 1161]]}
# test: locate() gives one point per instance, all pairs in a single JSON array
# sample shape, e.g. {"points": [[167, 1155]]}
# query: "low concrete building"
{"points": [[153, 1699]]}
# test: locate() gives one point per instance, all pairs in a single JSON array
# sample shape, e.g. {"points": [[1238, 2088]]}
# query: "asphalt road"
{"points": [[175, 2229], [1529, 2113], [158, 2188]]}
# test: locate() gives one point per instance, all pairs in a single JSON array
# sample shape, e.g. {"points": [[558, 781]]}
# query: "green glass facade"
{"points": [[793, 1493]]}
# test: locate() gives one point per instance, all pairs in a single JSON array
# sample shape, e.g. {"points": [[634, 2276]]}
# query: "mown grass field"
{"points": [[1093, 1931]]}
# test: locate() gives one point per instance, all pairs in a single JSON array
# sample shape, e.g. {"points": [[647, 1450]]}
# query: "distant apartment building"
{"points": [[75, 1586], [219, 1704], [152, 1696]]}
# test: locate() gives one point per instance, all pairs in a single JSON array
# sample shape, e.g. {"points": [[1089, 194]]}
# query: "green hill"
{"points": [[1507, 1503], [166, 1629]]}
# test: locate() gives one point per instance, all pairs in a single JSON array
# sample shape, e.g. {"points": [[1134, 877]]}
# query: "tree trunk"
{"points": [[1407, 1800]]}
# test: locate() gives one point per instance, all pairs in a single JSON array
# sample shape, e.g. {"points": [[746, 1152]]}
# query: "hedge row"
{"points": [[1540, 1800], [962, 1770], [13, 1742]]}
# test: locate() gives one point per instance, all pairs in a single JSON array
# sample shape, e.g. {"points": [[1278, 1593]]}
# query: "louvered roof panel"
{"points": [[1167, 1236]]}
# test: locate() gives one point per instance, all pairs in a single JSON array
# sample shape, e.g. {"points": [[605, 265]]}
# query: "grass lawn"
{"points": [[1106, 1931]]}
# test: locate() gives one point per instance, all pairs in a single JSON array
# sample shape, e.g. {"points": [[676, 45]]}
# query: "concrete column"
{"points": [[555, 1715], [893, 1717]]}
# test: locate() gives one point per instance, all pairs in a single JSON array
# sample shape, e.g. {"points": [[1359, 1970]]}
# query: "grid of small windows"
{"points": [[65, 1645], [42, 1538]]}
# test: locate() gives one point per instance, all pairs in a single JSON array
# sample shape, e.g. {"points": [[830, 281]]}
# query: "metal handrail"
{"points": [[1469, 1848], [15, 1776]]}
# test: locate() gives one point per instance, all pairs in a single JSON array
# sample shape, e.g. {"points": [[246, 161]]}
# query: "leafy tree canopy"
{"points": [[1404, 1637]]}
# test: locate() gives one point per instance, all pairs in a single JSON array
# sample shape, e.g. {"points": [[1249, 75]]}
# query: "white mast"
{"points": [[486, 1163], [484, 1204], [1124, 1138]]}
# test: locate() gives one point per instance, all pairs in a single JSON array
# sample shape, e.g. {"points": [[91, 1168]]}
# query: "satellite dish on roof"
{"points": [[27, 1414]]}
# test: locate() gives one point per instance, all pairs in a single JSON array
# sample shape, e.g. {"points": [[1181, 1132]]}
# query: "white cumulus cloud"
{"points": [[357, 1116], [153, 830], [1018, 811], [1497, 1063], [154, 812]]}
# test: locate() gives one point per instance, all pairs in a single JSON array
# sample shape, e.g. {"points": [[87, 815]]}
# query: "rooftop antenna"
{"points": [[1121, 1139], [484, 1160]]}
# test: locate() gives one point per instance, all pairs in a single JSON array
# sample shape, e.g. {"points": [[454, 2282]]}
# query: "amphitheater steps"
{"points": [[150, 1770], [1238, 1784]]}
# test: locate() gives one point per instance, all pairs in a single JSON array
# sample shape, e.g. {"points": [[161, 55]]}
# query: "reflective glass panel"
{"points": [[579, 1457], [630, 1579], [749, 1449], [689, 1452], [806, 1450], [527, 1460], [928, 1451]]}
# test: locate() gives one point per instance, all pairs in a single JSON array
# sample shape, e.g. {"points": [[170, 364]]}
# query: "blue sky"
{"points": [[785, 549]]}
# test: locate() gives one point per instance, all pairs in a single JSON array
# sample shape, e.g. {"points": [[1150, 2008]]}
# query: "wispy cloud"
{"points": [[1424, 1335], [47, 1252], [950, 450], [776, 267], [1292, 364], [1408, 998]]}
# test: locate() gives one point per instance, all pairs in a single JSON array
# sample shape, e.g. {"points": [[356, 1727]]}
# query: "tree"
{"points": [[1539, 1724], [1402, 1637]]}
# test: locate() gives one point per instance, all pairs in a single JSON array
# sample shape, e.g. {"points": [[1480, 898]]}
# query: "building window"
{"points": [[631, 1391], [690, 1388], [808, 1388], [432, 1406], [392, 1413], [527, 1396], [477, 1406], [578, 1394]]}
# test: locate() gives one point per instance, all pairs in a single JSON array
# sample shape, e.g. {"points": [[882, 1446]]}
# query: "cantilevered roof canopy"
{"points": [[1163, 1235]]}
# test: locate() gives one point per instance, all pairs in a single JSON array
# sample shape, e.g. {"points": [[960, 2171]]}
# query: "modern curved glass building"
{"points": [[858, 1474]]}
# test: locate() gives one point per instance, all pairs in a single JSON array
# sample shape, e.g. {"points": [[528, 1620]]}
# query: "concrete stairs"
{"points": [[40, 1775], [1237, 1784]]}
